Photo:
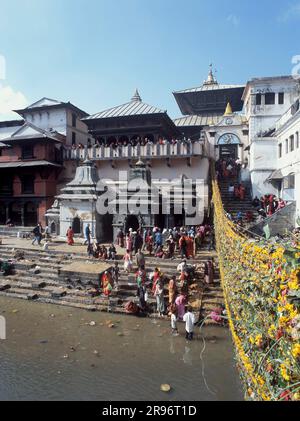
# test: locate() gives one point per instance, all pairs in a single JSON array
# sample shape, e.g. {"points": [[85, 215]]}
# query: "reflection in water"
{"points": [[187, 357], [53, 353]]}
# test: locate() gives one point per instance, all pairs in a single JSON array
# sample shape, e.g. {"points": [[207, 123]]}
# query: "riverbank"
{"points": [[54, 353]]}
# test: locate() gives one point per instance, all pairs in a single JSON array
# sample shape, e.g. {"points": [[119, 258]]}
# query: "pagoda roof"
{"points": [[208, 87], [133, 108], [210, 97]]}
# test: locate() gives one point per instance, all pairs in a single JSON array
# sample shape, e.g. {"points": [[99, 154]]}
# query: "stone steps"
{"points": [[45, 286]]}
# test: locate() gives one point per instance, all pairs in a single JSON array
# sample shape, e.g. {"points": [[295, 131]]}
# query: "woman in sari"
{"points": [[209, 272], [180, 306], [106, 283], [242, 191], [149, 243], [70, 236], [172, 290], [156, 278], [129, 242], [127, 262], [160, 299], [190, 247]]}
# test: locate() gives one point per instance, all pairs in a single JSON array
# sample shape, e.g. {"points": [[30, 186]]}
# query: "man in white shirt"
{"points": [[189, 319], [182, 266]]}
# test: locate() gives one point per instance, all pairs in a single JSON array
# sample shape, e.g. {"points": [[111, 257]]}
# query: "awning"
{"points": [[276, 175], [28, 164]]}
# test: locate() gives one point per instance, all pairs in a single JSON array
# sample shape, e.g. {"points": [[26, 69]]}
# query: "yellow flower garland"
{"points": [[264, 269]]}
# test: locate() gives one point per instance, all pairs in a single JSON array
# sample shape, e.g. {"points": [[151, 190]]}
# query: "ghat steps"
{"points": [[36, 277]]}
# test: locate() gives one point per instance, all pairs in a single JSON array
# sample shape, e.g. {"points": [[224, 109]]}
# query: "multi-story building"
{"points": [[170, 149], [286, 178], [31, 167], [265, 101]]}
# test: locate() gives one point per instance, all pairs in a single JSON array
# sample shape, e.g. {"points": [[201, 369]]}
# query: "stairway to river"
{"points": [[233, 206]]}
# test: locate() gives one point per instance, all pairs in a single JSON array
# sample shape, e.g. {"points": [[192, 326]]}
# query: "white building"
{"points": [[265, 101], [287, 175], [63, 118]]}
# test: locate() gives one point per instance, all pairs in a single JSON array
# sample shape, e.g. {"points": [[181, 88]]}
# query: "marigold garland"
{"points": [[261, 283]]}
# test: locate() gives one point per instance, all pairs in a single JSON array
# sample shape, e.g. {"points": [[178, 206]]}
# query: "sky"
{"points": [[95, 53]]}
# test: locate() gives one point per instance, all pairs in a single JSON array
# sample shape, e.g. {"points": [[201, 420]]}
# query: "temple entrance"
{"points": [[132, 222], [76, 225], [108, 228], [53, 228], [179, 220], [160, 221], [229, 151], [30, 214], [16, 213]]}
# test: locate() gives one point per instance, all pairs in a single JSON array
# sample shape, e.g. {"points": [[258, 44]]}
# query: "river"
{"points": [[53, 353]]}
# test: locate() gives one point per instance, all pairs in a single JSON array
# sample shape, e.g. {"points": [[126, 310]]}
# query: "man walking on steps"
{"points": [[37, 232]]}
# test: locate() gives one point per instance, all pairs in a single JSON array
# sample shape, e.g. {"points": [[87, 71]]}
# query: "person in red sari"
{"points": [[70, 236], [242, 192], [106, 283], [236, 192], [156, 277], [271, 208], [190, 247]]}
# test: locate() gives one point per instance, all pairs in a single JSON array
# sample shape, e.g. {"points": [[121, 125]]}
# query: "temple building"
{"points": [[137, 131], [205, 105]]}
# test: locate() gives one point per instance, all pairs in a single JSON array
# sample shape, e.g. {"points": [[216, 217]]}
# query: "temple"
{"points": [[44, 154]]}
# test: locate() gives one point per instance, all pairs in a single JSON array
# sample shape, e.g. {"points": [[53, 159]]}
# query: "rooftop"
{"points": [[132, 108], [45, 103], [30, 131], [198, 120]]}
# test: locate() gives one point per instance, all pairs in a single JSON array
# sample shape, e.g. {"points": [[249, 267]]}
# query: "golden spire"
{"points": [[228, 110]]}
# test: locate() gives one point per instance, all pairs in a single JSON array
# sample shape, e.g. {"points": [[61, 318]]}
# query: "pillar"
{"points": [[23, 215]]}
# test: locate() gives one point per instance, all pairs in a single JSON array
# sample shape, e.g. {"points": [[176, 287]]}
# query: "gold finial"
{"points": [[228, 110]]}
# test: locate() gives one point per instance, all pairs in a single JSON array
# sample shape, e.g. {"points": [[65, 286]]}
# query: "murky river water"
{"points": [[52, 353]]}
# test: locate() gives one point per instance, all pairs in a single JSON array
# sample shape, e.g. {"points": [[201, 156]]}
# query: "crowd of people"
{"points": [[164, 244], [155, 284], [227, 168], [135, 141], [268, 204]]}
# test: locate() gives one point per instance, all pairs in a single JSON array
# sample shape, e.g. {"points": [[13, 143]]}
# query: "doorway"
{"points": [[229, 151], [132, 222]]}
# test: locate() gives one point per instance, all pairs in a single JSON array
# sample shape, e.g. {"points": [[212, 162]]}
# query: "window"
{"points": [[297, 140], [286, 146], [292, 143], [73, 138], [281, 98], [280, 150], [27, 152], [74, 118], [258, 99], [28, 184], [289, 182], [270, 99]]}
